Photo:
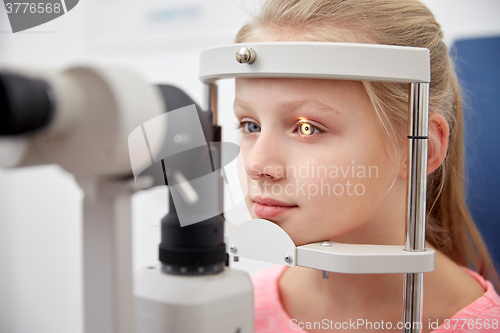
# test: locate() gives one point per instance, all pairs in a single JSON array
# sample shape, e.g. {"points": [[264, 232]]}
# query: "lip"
{"points": [[268, 207], [272, 202]]}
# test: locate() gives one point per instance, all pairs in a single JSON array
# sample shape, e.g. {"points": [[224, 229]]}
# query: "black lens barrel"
{"points": [[25, 104]]}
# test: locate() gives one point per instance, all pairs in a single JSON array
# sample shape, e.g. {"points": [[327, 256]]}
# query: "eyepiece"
{"points": [[25, 104]]}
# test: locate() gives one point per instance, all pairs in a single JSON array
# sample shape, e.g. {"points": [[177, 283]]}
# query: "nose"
{"points": [[265, 160]]}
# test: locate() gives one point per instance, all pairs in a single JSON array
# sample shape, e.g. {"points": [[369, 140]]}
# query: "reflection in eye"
{"points": [[307, 129]]}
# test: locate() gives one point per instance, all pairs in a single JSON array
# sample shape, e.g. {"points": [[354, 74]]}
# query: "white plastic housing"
{"points": [[344, 61], [263, 240], [221, 303], [97, 107], [364, 259]]}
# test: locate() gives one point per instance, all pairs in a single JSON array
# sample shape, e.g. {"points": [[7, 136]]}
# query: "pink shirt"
{"points": [[483, 315]]}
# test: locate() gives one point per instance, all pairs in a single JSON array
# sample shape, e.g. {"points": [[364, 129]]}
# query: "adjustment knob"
{"points": [[245, 55]]}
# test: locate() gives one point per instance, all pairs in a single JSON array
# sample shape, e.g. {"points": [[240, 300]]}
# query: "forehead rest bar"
{"points": [[320, 60]]}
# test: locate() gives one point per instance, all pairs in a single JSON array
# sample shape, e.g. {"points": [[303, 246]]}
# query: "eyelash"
{"points": [[241, 125]]}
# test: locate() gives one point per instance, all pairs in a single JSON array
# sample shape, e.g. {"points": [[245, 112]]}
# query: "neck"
{"points": [[356, 289]]}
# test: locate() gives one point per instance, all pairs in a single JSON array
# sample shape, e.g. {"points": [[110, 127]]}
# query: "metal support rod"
{"points": [[418, 131], [216, 150], [107, 255], [211, 98]]}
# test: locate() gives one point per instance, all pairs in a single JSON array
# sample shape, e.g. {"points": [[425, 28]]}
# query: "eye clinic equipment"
{"points": [[192, 291], [81, 118], [85, 116], [341, 61]]}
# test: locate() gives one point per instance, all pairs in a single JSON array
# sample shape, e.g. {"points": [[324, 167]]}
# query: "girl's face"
{"points": [[316, 148]]}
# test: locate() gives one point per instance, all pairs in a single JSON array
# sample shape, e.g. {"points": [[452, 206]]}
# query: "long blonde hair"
{"points": [[450, 227]]}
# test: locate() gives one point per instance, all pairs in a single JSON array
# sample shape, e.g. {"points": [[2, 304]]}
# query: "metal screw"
{"points": [[233, 248], [288, 258], [324, 275], [245, 55]]}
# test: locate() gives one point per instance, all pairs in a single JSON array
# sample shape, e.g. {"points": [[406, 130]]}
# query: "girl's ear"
{"points": [[439, 132]]}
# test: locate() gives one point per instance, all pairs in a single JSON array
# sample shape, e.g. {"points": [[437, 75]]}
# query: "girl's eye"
{"points": [[307, 129], [249, 126], [304, 128]]}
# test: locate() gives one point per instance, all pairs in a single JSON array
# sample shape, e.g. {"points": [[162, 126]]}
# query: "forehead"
{"points": [[331, 92], [315, 86]]}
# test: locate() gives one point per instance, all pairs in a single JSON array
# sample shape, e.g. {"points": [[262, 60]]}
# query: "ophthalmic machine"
{"points": [[131, 135], [98, 123]]}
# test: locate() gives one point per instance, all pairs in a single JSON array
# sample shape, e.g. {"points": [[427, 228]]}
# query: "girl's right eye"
{"points": [[249, 126]]}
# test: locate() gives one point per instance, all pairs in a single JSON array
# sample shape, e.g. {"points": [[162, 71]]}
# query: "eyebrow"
{"points": [[242, 104], [295, 106]]}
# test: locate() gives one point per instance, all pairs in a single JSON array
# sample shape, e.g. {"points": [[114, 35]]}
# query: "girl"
{"points": [[350, 137]]}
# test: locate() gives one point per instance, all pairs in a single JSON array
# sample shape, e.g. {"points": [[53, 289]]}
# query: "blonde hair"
{"points": [[450, 227]]}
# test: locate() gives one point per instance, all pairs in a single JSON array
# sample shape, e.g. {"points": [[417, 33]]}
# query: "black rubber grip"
{"points": [[417, 137], [25, 104]]}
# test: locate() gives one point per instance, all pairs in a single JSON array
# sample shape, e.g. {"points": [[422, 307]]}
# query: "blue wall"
{"points": [[478, 67]]}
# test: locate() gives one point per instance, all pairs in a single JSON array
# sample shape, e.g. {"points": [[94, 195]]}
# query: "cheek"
{"points": [[344, 180], [245, 147], [245, 151]]}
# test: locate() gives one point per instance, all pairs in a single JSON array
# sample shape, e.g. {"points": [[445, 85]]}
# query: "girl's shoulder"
{"points": [[266, 290], [270, 317], [482, 315]]}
